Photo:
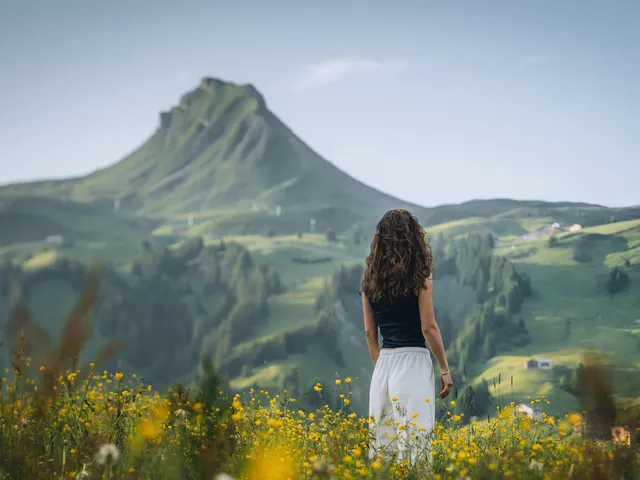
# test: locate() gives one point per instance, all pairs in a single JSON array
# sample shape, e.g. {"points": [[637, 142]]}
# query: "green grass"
{"points": [[572, 312], [291, 309], [41, 260]]}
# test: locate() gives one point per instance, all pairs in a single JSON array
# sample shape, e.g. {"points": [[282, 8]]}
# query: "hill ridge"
{"points": [[221, 147]]}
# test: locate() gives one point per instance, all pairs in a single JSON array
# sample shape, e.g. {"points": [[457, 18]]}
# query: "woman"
{"points": [[397, 289]]}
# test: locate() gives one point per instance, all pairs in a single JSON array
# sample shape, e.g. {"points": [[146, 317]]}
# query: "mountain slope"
{"points": [[222, 147], [221, 150]]}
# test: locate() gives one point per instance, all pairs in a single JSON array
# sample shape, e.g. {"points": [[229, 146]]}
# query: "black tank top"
{"points": [[399, 323]]}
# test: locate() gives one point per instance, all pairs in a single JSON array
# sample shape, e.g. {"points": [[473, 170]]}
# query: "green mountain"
{"points": [[221, 155], [209, 247]]}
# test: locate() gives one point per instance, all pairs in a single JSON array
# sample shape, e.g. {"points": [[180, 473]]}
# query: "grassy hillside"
{"points": [[572, 311], [89, 231], [569, 311], [214, 211]]}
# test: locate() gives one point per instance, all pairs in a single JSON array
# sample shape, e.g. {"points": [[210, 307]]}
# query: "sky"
{"points": [[432, 101]]}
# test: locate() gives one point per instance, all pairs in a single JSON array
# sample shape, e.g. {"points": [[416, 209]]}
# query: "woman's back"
{"points": [[399, 323], [397, 299]]}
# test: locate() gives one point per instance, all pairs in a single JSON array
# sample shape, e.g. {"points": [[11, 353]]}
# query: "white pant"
{"points": [[403, 419]]}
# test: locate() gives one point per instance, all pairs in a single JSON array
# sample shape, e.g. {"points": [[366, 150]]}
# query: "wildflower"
{"points": [[338, 382], [119, 376], [108, 454], [427, 400], [394, 399], [347, 380], [536, 465], [149, 429], [82, 474], [574, 418]]}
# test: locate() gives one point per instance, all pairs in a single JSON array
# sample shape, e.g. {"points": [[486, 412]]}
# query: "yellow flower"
{"points": [[574, 418], [427, 399], [149, 430], [119, 376], [338, 382], [394, 399], [453, 403], [347, 380]]}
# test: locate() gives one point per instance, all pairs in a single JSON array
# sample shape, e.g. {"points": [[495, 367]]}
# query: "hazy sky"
{"points": [[434, 102]]}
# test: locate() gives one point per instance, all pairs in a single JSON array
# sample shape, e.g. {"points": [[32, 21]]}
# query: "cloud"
{"points": [[338, 69]]}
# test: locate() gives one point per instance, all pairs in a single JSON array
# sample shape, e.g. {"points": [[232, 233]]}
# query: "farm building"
{"points": [[54, 240], [539, 363]]}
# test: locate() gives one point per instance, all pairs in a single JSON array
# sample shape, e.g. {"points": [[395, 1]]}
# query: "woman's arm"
{"points": [[370, 329], [432, 335]]}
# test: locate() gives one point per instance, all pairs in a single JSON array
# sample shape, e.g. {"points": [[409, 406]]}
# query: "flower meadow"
{"points": [[101, 425], [59, 420]]}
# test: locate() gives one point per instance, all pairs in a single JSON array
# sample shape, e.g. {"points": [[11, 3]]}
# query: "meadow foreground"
{"points": [[90, 424]]}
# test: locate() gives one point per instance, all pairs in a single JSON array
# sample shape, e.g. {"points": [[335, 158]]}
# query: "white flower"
{"points": [[82, 474], [223, 476], [181, 413], [536, 465], [107, 454]]}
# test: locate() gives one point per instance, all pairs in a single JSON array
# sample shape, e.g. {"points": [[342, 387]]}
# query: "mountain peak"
{"points": [[212, 83], [212, 92], [220, 147]]}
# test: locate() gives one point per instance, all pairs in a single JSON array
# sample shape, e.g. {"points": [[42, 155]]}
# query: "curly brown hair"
{"points": [[400, 258]]}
